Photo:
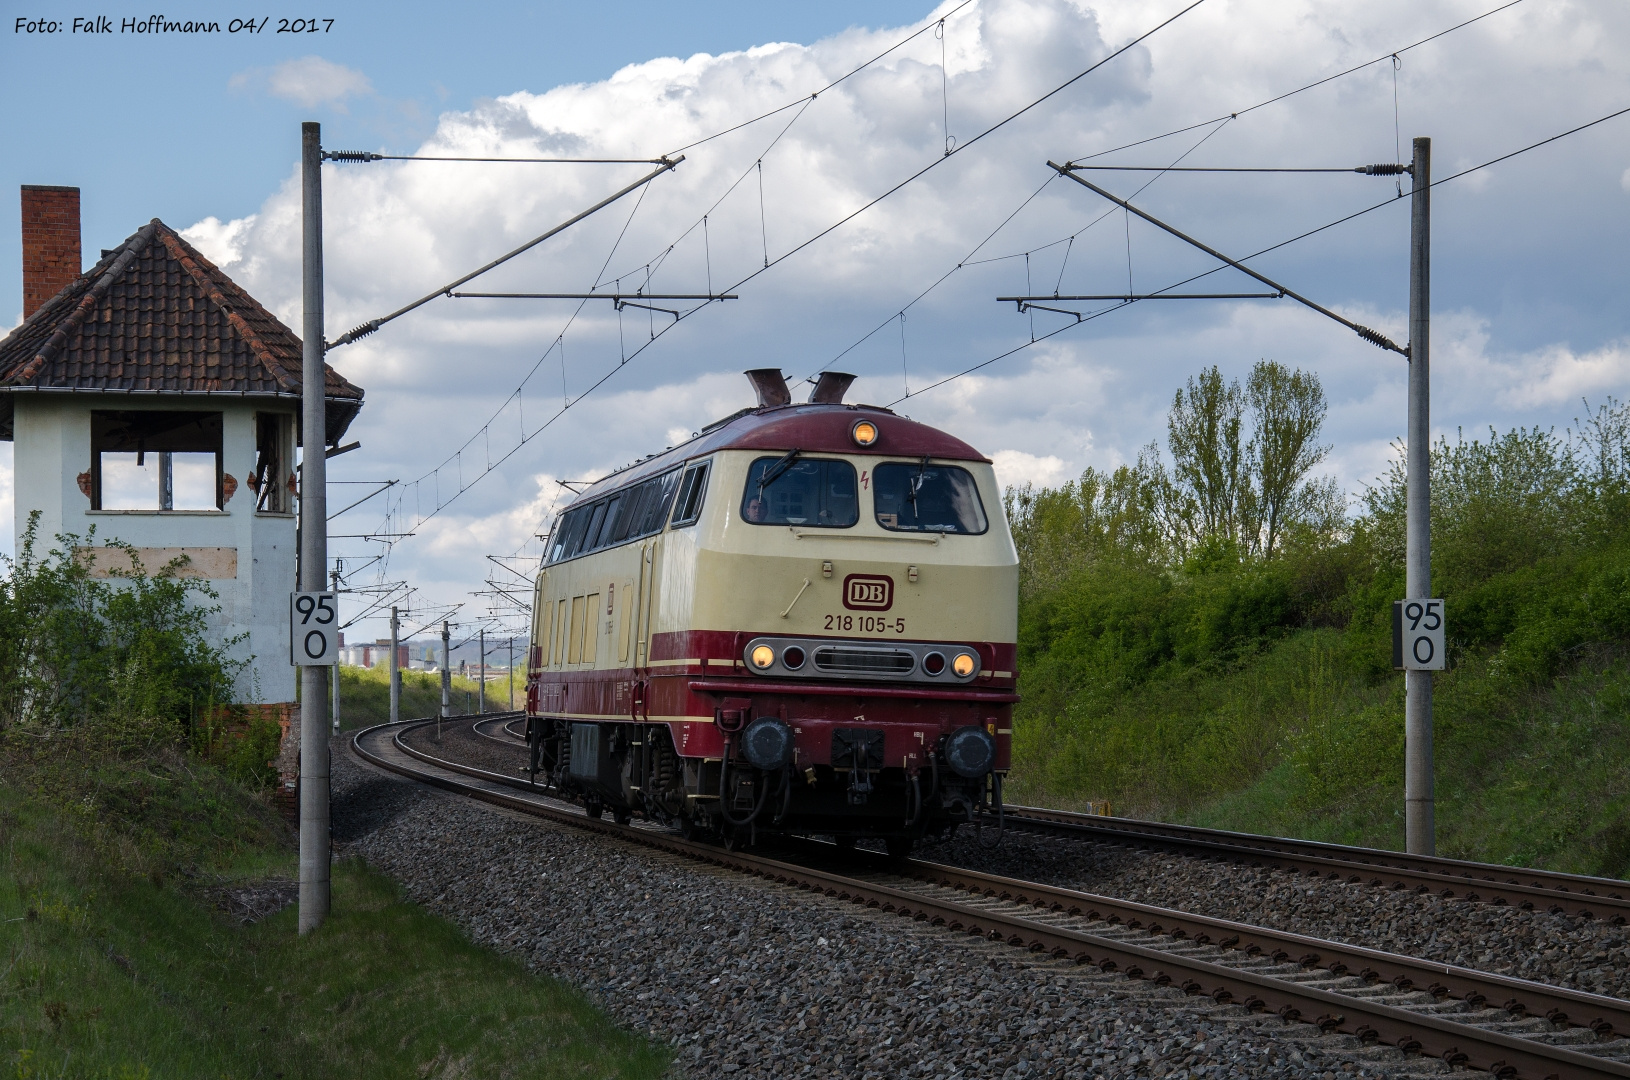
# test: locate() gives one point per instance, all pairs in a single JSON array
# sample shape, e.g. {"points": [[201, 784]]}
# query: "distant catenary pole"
{"points": [[314, 838], [335, 589], [446, 671], [1419, 828], [481, 699], [396, 672]]}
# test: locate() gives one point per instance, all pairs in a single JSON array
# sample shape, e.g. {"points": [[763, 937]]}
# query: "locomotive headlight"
{"points": [[965, 664], [763, 657], [864, 433]]}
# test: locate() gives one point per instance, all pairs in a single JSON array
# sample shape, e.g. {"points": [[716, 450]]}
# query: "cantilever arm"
{"points": [[1374, 337], [446, 290]]}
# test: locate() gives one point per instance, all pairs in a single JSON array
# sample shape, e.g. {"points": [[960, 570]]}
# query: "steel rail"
{"points": [[1546, 890], [1604, 1015], [1453, 1041], [509, 718]]}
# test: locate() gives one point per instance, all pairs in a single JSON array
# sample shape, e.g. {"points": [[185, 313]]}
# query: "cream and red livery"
{"points": [[802, 620]]}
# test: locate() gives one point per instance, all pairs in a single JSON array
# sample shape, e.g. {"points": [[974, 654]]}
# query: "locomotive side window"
{"points": [[614, 509], [927, 498], [659, 498], [692, 489], [815, 491], [631, 514], [570, 531], [627, 514]]}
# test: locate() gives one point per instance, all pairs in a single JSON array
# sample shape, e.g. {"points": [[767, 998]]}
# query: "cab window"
{"points": [[787, 490], [920, 497], [692, 489]]}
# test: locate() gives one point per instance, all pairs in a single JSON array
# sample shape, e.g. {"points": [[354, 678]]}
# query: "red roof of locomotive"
{"points": [[813, 429]]}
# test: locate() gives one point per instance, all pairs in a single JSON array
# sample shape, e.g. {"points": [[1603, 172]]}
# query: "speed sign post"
{"points": [[1417, 635], [313, 629]]}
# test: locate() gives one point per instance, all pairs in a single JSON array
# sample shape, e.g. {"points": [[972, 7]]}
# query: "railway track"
{"points": [[1544, 890], [1510, 1027]]}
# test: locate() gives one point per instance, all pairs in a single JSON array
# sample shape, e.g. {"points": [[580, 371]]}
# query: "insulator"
{"points": [[1385, 170], [1375, 337], [351, 155], [363, 331]]}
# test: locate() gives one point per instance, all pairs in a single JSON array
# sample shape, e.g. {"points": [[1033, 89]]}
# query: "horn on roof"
{"points": [[770, 386], [830, 388]]}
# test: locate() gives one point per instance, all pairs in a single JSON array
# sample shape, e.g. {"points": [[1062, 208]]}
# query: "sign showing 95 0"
{"points": [[314, 629], [1417, 635]]}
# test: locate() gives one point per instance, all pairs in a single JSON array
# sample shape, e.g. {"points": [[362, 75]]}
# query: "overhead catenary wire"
{"points": [[624, 358], [374, 324], [1374, 337], [1386, 169], [851, 73], [1237, 113], [1216, 124], [969, 260], [364, 156], [1272, 247], [567, 401]]}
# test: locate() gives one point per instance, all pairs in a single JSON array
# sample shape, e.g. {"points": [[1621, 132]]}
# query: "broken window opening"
{"points": [[273, 480], [155, 460]]}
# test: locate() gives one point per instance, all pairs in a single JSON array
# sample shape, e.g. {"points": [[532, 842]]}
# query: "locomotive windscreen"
{"points": [[927, 498], [814, 491]]}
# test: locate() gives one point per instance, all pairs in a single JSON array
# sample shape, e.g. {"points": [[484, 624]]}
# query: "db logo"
{"points": [[868, 592]]}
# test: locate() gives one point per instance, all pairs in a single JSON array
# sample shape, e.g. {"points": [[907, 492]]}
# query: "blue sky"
{"points": [[1529, 265], [157, 127]]}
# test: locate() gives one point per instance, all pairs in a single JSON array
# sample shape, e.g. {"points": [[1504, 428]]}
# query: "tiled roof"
{"points": [[155, 316]]}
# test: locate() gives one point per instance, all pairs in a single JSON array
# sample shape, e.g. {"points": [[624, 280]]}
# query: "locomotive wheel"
{"points": [[593, 807], [621, 816], [687, 828]]}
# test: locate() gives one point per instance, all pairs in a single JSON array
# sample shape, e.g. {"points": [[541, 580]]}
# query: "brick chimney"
{"points": [[51, 259]]}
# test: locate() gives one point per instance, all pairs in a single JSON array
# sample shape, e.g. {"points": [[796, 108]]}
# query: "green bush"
{"points": [[1213, 681], [76, 649]]}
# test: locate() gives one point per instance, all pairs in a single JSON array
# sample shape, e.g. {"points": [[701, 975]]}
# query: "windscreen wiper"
{"points": [[773, 473], [917, 482]]}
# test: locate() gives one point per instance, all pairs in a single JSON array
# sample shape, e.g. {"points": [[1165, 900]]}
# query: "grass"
{"points": [[365, 695], [1540, 778], [1297, 742], [116, 961], [1256, 692]]}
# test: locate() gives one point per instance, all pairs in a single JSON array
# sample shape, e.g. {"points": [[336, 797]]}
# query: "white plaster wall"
{"points": [[53, 433]]}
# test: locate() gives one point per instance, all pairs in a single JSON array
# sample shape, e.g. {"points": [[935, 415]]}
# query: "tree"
{"points": [[1288, 409], [1210, 484], [1242, 499]]}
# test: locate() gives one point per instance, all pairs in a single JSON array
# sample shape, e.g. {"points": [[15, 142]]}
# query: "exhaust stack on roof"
{"points": [[830, 388], [50, 243], [770, 385]]}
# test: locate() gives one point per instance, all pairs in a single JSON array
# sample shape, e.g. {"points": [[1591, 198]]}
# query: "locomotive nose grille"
{"points": [[859, 660]]}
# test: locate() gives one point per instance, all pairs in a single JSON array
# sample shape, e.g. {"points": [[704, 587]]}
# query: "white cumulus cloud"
{"points": [[1520, 264], [308, 81]]}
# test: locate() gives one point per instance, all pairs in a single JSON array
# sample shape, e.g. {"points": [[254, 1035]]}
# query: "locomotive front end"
{"points": [[823, 644]]}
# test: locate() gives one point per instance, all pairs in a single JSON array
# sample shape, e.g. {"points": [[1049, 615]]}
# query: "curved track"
{"points": [[1546, 890], [1441, 1010]]}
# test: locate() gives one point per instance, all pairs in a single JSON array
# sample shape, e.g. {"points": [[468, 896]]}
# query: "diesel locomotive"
{"points": [[802, 620]]}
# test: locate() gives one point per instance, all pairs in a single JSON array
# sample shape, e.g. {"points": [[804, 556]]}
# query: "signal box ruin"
{"points": [[153, 398]]}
